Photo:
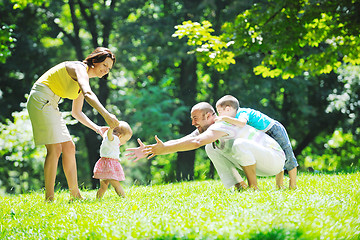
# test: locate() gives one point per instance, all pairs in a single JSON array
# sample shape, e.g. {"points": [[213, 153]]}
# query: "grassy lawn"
{"points": [[324, 207]]}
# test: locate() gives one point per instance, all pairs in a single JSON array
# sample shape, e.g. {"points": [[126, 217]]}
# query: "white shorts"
{"points": [[269, 162], [47, 123]]}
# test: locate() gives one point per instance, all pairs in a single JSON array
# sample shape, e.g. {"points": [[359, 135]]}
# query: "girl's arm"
{"points": [[110, 134]]}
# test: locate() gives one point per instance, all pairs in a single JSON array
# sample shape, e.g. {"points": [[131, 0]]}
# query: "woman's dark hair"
{"points": [[99, 55]]}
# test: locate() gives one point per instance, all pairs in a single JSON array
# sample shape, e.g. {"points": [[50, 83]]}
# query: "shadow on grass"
{"points": [[276, 233]]}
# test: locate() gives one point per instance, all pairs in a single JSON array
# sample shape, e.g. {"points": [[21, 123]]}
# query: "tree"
{"points": [[21, 165], [305, 41], [292, 37], [150, 42]]}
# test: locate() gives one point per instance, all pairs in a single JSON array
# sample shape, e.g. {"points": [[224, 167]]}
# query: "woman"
{"points": [[66, 80]]}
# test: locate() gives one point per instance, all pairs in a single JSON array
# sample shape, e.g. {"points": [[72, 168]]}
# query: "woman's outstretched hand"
{"points": [[136, 153]]}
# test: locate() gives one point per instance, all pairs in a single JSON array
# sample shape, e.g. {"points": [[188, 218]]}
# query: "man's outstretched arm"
{"points": [[138, 153], [184, 144]]}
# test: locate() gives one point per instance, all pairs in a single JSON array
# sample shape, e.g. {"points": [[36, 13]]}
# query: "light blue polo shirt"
{"points": [[255, 119]]}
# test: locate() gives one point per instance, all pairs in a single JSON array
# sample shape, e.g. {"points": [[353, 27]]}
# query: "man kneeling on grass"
{"points": [[228, 147]]}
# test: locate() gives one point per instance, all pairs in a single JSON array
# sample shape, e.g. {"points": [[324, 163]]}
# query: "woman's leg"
{"points": [[69, 166], [103, 187], [50, 168], [118, 188]]}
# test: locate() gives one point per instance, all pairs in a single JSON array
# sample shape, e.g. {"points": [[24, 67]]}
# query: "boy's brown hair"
{"points": [[228, 100]]}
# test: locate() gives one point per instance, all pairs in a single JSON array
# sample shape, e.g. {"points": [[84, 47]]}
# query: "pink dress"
{"points": [[108, 166]]}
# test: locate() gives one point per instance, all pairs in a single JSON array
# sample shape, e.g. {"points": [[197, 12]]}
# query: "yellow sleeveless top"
{"points": [[60, 82]]}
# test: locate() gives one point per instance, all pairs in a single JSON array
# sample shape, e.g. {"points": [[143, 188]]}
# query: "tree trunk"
{"points": [[213, 97], [187, 83], [92, 141], [93, 146]]}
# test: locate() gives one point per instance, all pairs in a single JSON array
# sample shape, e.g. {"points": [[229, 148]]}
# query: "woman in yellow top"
{"points": [[66, 80]]}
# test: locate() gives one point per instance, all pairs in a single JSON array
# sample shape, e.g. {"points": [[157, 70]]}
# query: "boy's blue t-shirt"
{"points": [[255, 118]]}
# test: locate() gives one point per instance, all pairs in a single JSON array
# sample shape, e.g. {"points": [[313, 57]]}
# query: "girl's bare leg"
{"points": [[279, 180], [50, 168], [118, 188], [70, 170], [103, 187]]}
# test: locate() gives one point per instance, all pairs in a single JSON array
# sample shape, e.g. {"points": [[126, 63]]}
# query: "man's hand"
{"points": [[155, 149], [137, 153]]}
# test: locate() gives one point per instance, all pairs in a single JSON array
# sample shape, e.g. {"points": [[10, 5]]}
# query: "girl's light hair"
{"points": [[123, 129]]}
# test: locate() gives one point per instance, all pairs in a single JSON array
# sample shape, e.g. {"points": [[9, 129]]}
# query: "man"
{"points": [[229, 148]]}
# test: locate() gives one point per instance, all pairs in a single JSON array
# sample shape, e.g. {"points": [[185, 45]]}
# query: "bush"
{"points": [[21, 165], [340, 152]]}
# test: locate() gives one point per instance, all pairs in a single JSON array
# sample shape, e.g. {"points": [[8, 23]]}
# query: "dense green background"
{"points": [[295, 61]]}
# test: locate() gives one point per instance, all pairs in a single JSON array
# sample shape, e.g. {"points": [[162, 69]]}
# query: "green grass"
{"points": [[324, 207]]}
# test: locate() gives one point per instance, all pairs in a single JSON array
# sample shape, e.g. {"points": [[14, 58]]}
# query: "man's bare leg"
{"points": [[241, 186], [250, 172]]}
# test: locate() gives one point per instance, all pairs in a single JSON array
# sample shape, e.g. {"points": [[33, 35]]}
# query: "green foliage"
{"points": [[23, 3], [21, 168], [163, 169], [322, 208], [21, 163], [209, 48], [292, 37], [7, 41], [341, 151], [346, 99], [154, 110]]}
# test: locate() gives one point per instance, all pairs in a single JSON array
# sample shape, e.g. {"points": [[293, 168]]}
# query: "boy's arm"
{"points": [[240, 122]]}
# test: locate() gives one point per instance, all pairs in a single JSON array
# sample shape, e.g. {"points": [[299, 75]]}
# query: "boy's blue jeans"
{"points": [[278, 132]]}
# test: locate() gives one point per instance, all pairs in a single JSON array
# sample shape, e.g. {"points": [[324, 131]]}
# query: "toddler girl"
{"points": [[108, 168]]}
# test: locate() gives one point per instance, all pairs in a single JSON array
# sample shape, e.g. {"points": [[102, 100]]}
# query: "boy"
{"points": [[228, 110]]}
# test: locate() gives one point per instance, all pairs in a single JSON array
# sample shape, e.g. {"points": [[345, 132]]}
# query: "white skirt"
{"points": [[47, 123]]}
